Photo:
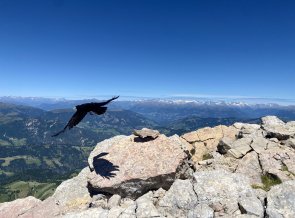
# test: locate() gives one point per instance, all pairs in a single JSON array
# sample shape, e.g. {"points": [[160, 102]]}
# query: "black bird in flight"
{"points": [[82, 110]]}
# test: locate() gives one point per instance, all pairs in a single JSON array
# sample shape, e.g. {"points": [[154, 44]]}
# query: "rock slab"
{"points": [[281, 200], [18, 207], [123, 166]]}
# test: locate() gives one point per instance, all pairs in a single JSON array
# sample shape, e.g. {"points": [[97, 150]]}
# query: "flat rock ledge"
{"points": [[146, 134]]}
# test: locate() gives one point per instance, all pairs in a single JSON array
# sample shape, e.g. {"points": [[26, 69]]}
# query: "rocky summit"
{"points": [[243, 170]]}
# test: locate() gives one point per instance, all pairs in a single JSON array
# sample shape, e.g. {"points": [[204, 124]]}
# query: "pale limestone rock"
{"points": [[114, 201], [230, 132], [145, 206], [261, 195], [249, 129], [191, 137], [146, 134], [240, 147], [280, 200], [179, 199], [129, 209], [222, 187], [201, 211], [251, 206], [70, 195], [18, 207], [273, 160], [249, 166], [224, 145], [90, 213], [290, 143], [259, 144], [200, 151], [276, 128]]}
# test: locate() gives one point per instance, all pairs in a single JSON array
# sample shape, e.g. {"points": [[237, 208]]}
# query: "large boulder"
{"points": [[276, 128], [18, 207], [280, 201], [122, 165]]}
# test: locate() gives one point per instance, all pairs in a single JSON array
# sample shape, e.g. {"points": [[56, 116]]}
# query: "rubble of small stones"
{"points": [[243, 170]]}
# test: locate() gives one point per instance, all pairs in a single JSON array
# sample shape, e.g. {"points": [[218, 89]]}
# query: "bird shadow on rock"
{"points": [[103, 167]]}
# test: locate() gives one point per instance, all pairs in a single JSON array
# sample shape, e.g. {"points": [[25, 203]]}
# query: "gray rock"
{"points": [[249, 129], [115, 212], [18, 207], [145, 206], [235, 153], [250, 167], [206, 162], [280, 200], [179, 199], [219, 187], [259, 144], [240, 147], [201, 211], [275, 140], [129, 209], [276, 128], [158, 195], [90, 213], [261, 195], [247, 126], [245, 216], [224, 145], [290, 143], [99, 201], [130, 168], [146, 134], [73, 190], [114, 201], [70, 195], [251, 206], [273, 161], [290, 164], [291, 126]]}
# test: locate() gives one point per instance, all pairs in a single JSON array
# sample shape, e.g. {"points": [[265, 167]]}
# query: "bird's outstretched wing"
{"points": [[108, 101], [81, 112], [99, 110], [75, 119]]}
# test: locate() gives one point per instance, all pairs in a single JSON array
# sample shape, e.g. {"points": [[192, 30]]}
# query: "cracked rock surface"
{"points": [[243, 170]]}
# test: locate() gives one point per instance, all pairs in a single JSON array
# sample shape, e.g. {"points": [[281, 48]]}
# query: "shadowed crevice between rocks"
{"points": [[142, 140], [135, 188]]}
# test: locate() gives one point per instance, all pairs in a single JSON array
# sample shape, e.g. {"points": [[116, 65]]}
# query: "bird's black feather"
{"points": [[81, 112]]}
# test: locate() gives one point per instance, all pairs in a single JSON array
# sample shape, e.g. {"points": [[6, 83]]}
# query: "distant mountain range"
{"points": [[164, 111], [29, 153]]}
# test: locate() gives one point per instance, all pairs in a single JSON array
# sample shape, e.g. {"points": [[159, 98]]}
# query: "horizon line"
{"points": [[169, 97]]}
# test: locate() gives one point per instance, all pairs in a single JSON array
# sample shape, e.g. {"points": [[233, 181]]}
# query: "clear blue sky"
{"points": [[71, 48]]}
